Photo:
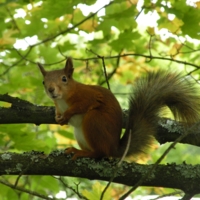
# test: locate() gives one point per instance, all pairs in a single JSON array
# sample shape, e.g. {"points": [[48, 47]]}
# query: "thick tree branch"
{"points": [[22, 111], [57, 163], [169, 130]]}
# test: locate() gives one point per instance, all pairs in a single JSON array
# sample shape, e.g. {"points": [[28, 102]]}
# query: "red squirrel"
{"points": [[96, 115]]}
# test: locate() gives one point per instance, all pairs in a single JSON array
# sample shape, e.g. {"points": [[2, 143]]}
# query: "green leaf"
{"points": [[7, 193], [52, 9], [173, 26], [125, 40], [25, 140], [48, 53], [12, 194], [126, 13], [66, 46], [191, 21], [46, 183], [96, 192], [66, 134], [89, 2]]}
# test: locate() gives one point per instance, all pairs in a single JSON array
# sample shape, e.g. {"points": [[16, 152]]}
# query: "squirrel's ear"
{"points": [[42, 69], [69, 67]]}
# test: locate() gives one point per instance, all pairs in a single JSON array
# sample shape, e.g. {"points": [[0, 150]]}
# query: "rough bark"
{"points": [[57, 163], [22, 111]]}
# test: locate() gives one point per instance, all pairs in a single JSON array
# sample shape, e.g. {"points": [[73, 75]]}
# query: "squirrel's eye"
{"points": [[43, 82], [64, 79]]}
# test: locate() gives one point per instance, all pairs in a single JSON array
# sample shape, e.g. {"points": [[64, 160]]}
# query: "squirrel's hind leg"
{"points": [[81, 153]]}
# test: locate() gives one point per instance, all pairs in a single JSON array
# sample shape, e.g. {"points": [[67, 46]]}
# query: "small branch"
{"points": [[104, 67], [109, 76], [149, 46], [105, 72], [76, 191], [104, 57], [139, 13], [141, 55], [17, 62], [13, 19]]}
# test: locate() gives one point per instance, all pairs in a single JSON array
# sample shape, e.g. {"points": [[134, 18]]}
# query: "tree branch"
{"points": [[59, 164], [22, 111], [145, 56]]}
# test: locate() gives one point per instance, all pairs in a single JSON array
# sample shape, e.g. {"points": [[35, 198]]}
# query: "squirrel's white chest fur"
{"points": [[75, 121]]}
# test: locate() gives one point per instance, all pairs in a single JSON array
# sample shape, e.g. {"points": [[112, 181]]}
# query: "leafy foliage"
{"points": [[132, 36]]}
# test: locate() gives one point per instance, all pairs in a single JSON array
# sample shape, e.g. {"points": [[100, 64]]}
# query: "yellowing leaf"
{"points": [[197, 4], [175, 49], [177, 22], [89, 25], [96, 192], [172, 26], [151, 31], [7, 39]]}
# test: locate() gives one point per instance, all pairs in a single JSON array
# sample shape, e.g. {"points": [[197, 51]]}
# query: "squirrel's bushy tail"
{"points": [[150, 95]]}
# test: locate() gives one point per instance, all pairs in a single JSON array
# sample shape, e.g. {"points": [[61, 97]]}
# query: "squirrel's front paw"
{"points": [[60, 119]]}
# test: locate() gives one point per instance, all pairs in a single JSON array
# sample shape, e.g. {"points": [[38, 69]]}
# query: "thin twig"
{"points": [[75, 191], [17, 62], [114, 71], [27, 191], [142, 55], [105, 72], [149, 46], [13, 19], [104, 66]]}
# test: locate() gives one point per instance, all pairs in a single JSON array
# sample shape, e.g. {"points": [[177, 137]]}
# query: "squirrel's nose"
{"points": [[51, 89]]}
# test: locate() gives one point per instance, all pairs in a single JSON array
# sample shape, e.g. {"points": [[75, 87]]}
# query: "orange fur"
{"points": [[101, 115]]}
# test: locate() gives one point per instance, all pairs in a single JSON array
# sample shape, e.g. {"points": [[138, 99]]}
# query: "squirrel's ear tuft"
{"points": [[42, 69], [69, 68]]}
